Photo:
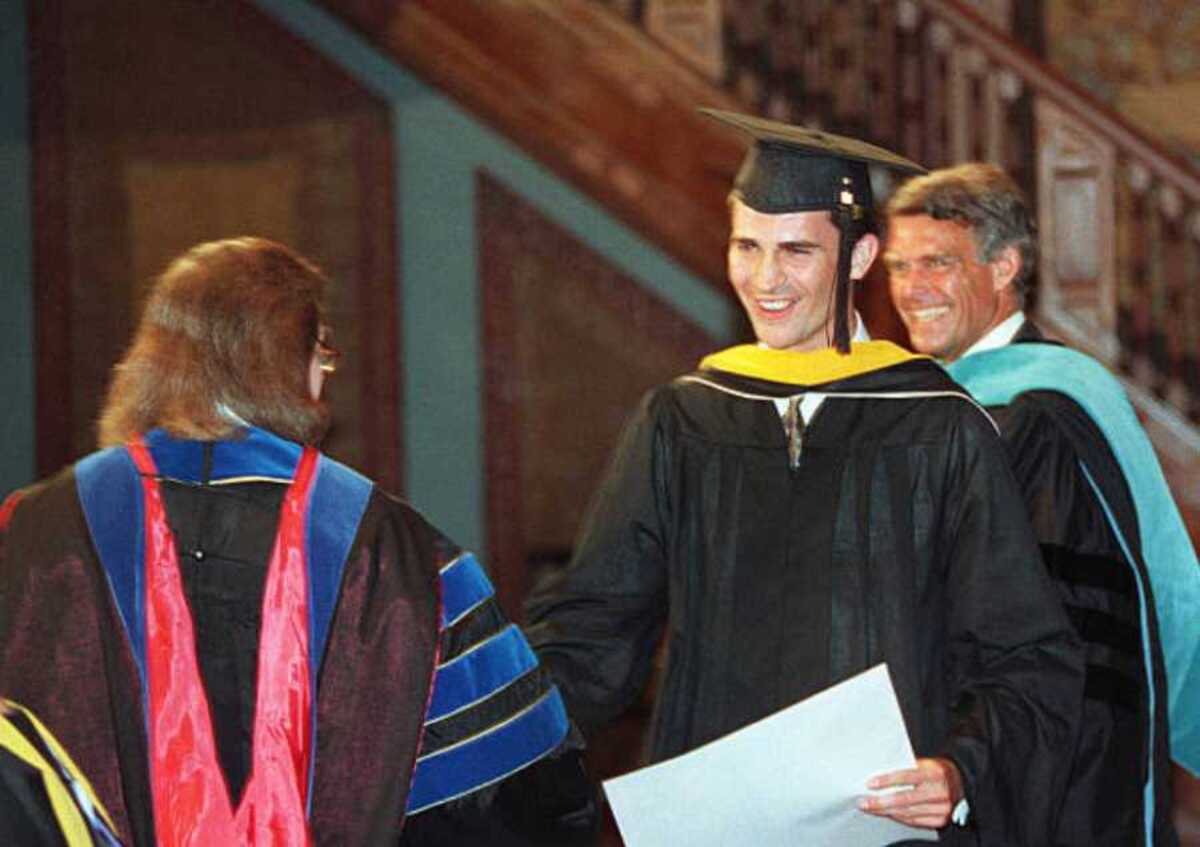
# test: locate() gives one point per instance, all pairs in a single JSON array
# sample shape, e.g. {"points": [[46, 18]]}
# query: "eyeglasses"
{"points": [[327, 355]]}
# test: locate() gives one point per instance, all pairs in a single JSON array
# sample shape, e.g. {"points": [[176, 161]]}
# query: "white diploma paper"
{"points": [[790, 779]]}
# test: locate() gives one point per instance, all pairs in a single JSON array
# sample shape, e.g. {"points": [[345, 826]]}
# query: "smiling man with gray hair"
{"points": [[961, 247]]}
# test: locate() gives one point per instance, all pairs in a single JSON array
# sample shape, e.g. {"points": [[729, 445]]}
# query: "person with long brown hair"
{"points": [[243, 641], [226, 337]]}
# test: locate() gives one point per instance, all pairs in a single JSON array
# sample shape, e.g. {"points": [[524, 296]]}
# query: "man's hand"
{"points": [[933, 789]]}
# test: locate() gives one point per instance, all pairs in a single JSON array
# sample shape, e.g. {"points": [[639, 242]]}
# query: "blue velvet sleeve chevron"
{"points": [[493, 711]]}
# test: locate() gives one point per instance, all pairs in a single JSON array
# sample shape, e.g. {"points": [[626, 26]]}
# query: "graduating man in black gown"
{"points": [[961, 247], [797, 511], [241, 641]]}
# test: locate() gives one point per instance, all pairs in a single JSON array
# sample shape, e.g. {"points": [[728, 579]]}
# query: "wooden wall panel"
{"points": [[571, 344], [159, 125]]}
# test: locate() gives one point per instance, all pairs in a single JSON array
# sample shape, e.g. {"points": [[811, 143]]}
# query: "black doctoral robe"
{"points": [[1048, 435], [899, 537], [66, 653]]}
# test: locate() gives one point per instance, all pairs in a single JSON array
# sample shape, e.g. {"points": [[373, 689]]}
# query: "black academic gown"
{"points": [[899, 538], [65, 654], [44, 799], [1047, 435]]}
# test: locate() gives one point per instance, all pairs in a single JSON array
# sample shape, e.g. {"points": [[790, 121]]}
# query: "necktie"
{"points": [[793, 426]]}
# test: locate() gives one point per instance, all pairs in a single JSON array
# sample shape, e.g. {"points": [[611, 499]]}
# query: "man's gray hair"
{"points": [[985, 199]]}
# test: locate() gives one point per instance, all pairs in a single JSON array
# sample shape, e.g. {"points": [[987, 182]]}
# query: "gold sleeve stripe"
{"points": [[70, 819], [64, 759]]}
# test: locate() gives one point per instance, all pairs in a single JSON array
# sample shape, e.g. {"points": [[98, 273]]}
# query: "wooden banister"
{"points": [[1046, 81]]}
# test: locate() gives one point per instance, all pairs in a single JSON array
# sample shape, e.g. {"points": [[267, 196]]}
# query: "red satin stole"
{"points": [[192, 807], [8, 507]]}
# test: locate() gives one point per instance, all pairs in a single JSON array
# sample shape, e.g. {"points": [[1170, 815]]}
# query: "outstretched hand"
{"points": [[930, 792]]}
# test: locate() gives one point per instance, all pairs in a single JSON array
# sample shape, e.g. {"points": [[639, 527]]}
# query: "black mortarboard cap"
{"points": [[795, 169]]}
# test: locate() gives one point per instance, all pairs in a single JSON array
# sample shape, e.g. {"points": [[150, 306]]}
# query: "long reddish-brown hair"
{"points": [[229, 322]]}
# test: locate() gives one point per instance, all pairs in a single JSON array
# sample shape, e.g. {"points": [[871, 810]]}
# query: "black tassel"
{"points": [[843, 218]]}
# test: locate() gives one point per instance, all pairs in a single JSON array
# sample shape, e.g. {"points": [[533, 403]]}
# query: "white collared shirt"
{"points": [[999, 335]]}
